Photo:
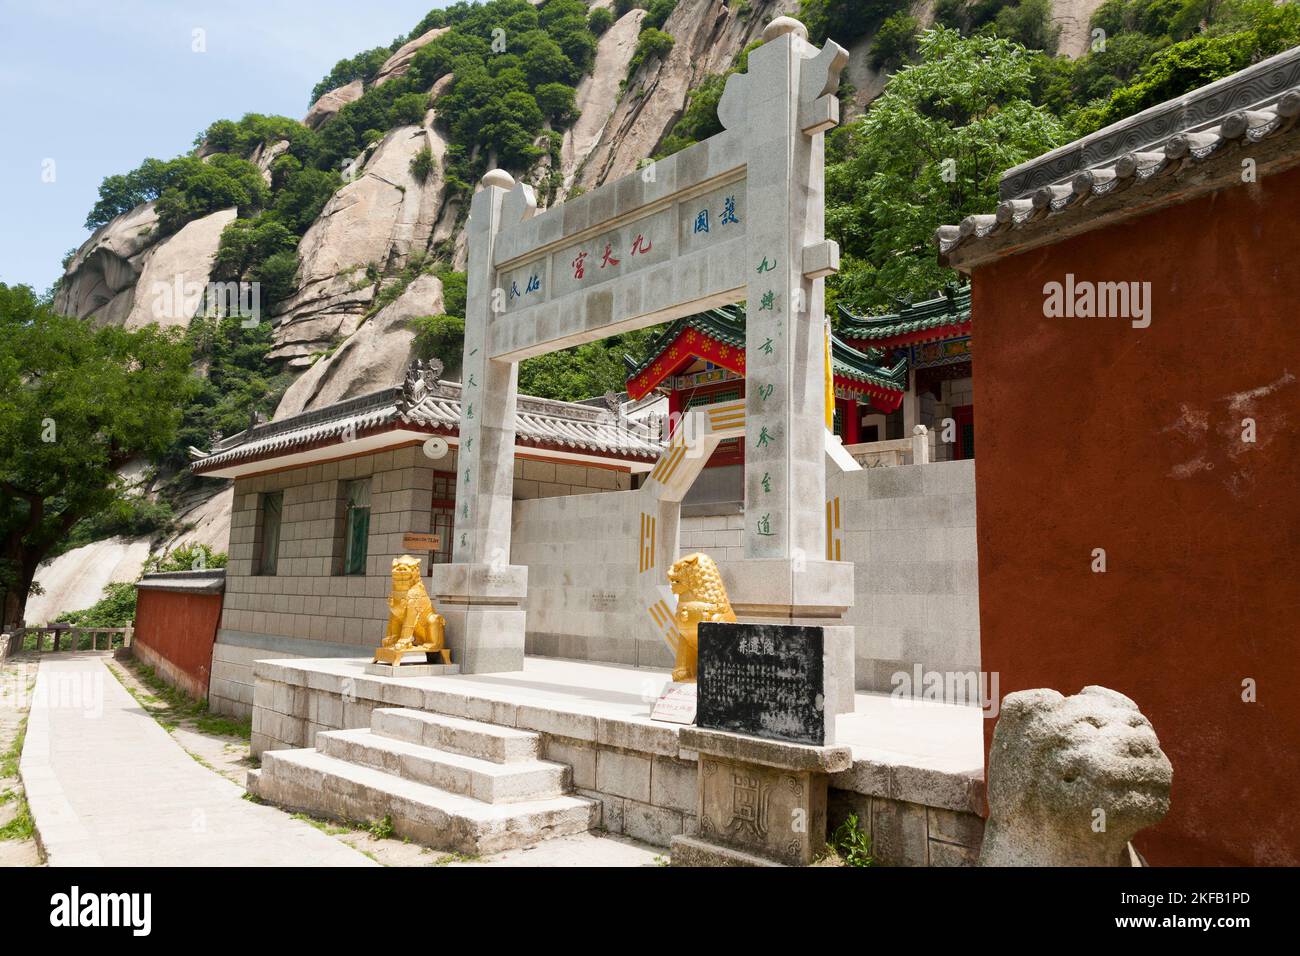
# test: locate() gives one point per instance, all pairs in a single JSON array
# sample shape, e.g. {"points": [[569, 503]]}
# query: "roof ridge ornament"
{"points": [[416, 383]]}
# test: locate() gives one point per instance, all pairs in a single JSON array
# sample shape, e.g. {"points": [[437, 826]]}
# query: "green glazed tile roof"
{"points": [[727, 325], [918, 317]]}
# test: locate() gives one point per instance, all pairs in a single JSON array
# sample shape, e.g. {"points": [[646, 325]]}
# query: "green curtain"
{"points": [[358, 527], [272, 505]]}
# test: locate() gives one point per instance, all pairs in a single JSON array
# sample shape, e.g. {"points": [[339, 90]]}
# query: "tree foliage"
{"points": [[929, 151], [76, 404]]}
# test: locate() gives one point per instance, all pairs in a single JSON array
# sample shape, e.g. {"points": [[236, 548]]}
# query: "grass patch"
{"points": [[326, 826], [455, 858], [9, 759], [172, 707], [22, 826]]}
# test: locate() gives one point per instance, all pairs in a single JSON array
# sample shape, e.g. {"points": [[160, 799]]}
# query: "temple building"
{"points": [[933, 341], [892, 373]]}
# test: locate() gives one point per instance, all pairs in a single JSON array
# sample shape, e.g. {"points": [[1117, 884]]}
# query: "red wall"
{"points": [[1094, 434], [180, 628]]}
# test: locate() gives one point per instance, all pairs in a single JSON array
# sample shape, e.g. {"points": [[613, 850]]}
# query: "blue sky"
{"points": [[98, 85]]}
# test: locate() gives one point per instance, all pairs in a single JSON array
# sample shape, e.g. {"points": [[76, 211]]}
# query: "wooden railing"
{"points": [[67, 637]]}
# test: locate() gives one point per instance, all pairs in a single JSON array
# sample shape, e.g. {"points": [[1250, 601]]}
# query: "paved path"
{"points": [[109, 787]]}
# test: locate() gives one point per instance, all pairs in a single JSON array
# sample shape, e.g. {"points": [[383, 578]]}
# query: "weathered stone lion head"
{"points": [[1072, 779]]}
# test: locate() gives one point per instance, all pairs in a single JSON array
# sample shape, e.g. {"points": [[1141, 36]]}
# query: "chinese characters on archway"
{"points": [[765, 438], [534, 284], [726, 217], [641, 245]]}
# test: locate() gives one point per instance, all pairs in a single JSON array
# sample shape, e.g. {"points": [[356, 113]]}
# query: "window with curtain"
{"points": [[356, 526], [272, 506]]}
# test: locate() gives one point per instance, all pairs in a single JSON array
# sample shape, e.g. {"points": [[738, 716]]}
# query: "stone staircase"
{"points": [[446, 782]]}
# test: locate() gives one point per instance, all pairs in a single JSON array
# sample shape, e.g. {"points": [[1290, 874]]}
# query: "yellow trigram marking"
{"points": [[662, 616], [663, 471], [647, 553], [832, 527], [727, 416]]}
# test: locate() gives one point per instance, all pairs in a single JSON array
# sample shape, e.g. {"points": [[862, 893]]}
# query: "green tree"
{"points": [[600, 20], [441, 337], [301, 194], [1028, 23], [1243, 33], [929, 151], [198, 187], [584, 371], [122, 193], [246, 243], [239, 379], [556, 101], [895, 41], [79, 403]]}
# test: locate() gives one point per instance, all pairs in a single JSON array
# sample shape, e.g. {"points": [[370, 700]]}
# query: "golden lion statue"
{"points": [[700, 597], [413, 622]]}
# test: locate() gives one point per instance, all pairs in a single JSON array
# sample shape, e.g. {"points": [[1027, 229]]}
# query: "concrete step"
{"points": [[317, 783], [470, 738], [468, 776]]}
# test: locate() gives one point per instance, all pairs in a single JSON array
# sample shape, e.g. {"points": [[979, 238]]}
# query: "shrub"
{"points": [[439, 336], [185, 557], [422, 164], [600, 20], [651, 44], [658, 13]]}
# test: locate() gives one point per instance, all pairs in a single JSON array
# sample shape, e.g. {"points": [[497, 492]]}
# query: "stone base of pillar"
{"points": [[758, 802], [485, 638], [485, 623]]}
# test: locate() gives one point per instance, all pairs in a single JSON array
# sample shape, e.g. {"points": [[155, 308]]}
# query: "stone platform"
{"points": [[915, 782]]}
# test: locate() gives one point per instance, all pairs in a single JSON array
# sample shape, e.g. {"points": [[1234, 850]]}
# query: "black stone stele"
{"points": [[764, 680]]}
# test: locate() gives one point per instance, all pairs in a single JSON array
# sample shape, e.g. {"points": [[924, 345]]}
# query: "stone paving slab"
{"points": [[108, 786]]}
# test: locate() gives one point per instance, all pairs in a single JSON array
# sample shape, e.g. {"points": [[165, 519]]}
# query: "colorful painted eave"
{"points": [[718, 336], [945, 317]]}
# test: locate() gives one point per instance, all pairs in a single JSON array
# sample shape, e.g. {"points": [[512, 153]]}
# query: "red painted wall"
{"points": [[180, 628], [1094, 434]]}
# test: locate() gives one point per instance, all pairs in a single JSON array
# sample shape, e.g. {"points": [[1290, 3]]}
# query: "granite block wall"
{"points": [[910, 531]]}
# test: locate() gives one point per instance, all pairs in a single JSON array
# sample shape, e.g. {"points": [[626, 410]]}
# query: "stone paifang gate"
{"points": [[736, 217]]}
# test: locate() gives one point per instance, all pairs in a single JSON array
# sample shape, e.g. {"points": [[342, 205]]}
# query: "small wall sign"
{"points": [[417, 541]]}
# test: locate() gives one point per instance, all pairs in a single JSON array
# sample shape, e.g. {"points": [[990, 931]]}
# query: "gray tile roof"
{"points": [[205, 581], [422, 404], [1160, 154]]}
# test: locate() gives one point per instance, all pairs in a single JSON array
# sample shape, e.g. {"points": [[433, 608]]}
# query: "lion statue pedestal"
{"points": [[414, 629]]}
